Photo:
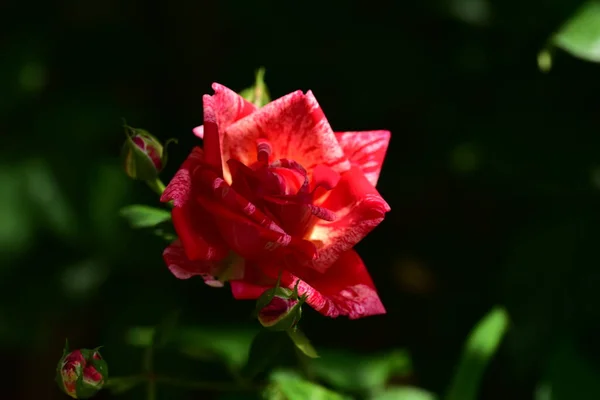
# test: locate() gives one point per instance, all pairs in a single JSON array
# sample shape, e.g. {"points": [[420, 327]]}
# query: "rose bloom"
{"points": [[273, 190]]}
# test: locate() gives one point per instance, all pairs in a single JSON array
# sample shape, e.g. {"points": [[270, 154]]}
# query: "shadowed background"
{"points": [[492, 174]]}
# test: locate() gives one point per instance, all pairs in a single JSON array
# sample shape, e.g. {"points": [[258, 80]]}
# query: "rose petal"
{"points": [[253, 241], [253, 284], [346, 288], [180, 188], [366, 150], [183, 268], [296, 128], [199, 131], [220, 111], [242, 290], [358, 207], [196, 231]]}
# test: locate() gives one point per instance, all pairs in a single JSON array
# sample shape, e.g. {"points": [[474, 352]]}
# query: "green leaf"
{"points": [[302, 343], [264, 351], [580, 35], [141, 216], [354, 372], [121, 385], [403, 393], [480, 346], [206, 343], [289, 386]]}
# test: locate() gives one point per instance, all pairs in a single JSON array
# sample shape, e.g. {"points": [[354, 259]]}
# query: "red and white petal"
{"points": [[358, 207], [345, 289], [220, 111], [183, 268], [180, 188], [296, 128], [366, 150]]}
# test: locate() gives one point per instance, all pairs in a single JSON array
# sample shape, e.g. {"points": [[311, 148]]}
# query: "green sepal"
{"points": [[302, 343], [84, 390], [58, 377], [268, 295], [164, 157]]}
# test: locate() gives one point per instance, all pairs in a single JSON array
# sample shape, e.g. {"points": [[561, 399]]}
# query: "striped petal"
{"points": [[296, 128], [182, 268], [366, 150], [346, 289], [220, 111], [358, 207]]}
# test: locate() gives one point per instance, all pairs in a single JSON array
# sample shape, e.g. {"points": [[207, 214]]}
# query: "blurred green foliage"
{"points": [[492, 175]]}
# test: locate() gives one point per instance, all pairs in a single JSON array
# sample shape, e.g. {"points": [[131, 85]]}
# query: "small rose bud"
{"points": [[280, 314], [82, 373], [143, 156], [279, 309]]}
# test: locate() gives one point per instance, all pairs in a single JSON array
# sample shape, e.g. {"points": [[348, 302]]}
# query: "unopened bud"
{"points": [[143, 156], [82, 373], [279, 309]]}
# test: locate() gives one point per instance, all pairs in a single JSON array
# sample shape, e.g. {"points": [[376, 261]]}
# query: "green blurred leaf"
{"points": [[403, 393], [580, 35], [480, 346], [264, 351], [355, 372], [208, 343], [568, 375], [121, 385], [142, 216], [82, 280], [18, 225], [47, 197], [302, 343], [289, 386]]}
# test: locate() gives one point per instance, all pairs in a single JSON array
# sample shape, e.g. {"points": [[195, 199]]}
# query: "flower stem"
{"points": [[152, 381], [148, 367], [209, 386], [157, 186]]}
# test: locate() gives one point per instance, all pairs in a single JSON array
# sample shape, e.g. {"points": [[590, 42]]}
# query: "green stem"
{"points": [[148, 367], [157, 186], [210, 386], [181, 383]]}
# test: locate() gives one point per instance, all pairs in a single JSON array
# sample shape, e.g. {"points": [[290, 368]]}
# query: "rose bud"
{"points": [[279, 309], [143, 156], [82, 373]]}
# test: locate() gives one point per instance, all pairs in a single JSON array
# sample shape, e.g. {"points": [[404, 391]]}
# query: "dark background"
{"points": [[493, 175]]}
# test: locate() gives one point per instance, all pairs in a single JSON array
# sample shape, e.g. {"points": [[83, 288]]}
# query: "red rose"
{"points": [[279, 190]]}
